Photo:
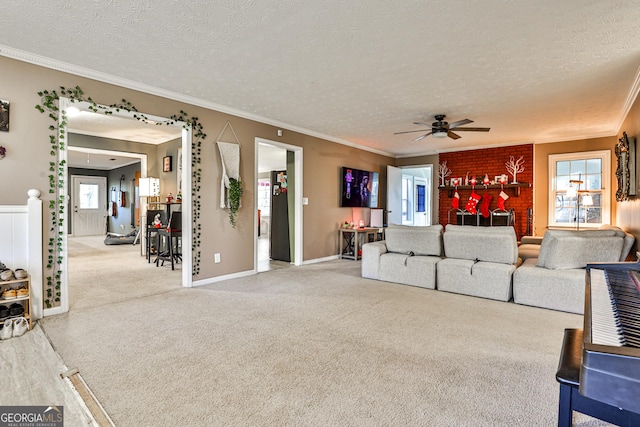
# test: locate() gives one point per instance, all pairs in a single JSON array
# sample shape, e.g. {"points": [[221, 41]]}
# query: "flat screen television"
{"points": [[359, 188]]}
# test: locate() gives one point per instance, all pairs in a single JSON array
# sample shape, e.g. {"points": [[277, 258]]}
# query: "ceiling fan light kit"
{"points": [[441, 129]]}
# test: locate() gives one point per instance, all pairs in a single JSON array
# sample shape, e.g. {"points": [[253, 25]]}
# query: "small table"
{"points": [[350, 240]]}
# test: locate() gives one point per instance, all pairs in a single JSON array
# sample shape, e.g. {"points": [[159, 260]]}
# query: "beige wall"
{"points": [[541, 154], [628, 212], [27, 164]]}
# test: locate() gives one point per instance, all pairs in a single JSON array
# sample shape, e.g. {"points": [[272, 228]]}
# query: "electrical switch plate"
{"points": [[216, 258]]}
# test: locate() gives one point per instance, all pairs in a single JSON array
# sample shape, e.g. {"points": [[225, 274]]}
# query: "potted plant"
{"points": [[235, 194]]}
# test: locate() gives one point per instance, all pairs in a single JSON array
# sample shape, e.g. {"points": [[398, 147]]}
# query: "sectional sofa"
{"points": [[485, 262], [555, 278]]}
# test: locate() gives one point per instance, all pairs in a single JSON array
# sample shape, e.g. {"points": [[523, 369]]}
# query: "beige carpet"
{"points": [[100, 274], [315, 345]]}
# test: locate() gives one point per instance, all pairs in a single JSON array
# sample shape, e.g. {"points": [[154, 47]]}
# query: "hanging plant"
{"points": [[235, 194], [49, 101]]}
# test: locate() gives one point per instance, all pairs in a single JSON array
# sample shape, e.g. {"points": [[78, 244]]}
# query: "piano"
{"points": [[601, 374]]}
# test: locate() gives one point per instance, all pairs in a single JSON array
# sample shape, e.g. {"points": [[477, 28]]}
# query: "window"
{"points": [[579, 189], [88, 196], [420, 198]]}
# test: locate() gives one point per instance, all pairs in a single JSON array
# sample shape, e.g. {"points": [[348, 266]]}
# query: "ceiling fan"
{"points": [[440, 128]]}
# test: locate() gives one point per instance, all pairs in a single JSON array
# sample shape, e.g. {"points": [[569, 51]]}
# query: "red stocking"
{"points": [[472, 203], [501, 199], [484, 205], [455, 202]]}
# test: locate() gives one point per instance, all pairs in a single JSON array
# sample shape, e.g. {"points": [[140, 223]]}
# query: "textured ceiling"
{"points": [[356, 72]]}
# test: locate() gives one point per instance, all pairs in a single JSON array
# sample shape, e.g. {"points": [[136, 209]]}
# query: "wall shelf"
{"points": [[515, 187]]}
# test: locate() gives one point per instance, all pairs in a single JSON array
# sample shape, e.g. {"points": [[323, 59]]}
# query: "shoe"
{"points": [[4, 312], [20, 273], [20, 326], [22, 292], [16, 309], [9, 294], [7, 329], [6, 275]]}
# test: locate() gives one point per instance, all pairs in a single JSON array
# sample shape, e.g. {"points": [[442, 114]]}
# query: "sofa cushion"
{"points": [[553, 289], [548, 247], [419, 240], [560, 252], [528, 250], [409, 270], [492, 244], [629, 239]]}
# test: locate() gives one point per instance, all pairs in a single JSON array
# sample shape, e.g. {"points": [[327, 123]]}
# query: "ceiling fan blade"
{"points": [[409, 131], [422, 124], [453, 135], [459, 123], [422, 137], [474, 129]]}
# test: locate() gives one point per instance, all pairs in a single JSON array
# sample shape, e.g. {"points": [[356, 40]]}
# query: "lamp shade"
{"points": [[439, 133], [149, 187], [587, 200], [572, 192]]}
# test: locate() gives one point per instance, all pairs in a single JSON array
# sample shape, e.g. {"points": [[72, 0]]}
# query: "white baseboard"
{"points": [[317, 260], [222, 278]]}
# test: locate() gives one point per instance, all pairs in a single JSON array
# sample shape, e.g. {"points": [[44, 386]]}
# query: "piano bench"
{"points": [[568, 376]]}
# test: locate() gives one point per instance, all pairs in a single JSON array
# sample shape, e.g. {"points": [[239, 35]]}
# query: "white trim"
{"points": [[605, 190], [63, 104], [217, 279], [152, 90], [317, 260], [298, 213], [631, 99], [187, 201]]}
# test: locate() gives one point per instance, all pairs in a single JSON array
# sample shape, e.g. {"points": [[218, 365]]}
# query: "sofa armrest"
{"points": [[531, 240], [371, 253]]}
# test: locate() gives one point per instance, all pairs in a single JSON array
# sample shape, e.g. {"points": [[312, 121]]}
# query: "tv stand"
{"points": [[351, 240]]}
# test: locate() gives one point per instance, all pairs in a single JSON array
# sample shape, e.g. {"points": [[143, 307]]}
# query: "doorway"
{"points": [[278, 170], [88, 204], [185, 135], [410, 195]]}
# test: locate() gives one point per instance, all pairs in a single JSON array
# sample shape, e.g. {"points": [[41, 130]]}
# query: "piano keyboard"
{"points": [[614, 309]]}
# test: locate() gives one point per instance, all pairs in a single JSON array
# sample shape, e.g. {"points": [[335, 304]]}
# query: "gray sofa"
{"points": [[480, 261], [555, 279], [408, 255]]}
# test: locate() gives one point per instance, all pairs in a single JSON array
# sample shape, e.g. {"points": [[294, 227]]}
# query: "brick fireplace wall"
{"points": [[491, 161]]}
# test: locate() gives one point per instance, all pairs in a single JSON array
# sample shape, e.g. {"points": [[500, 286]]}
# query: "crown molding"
{"points": [[631, 99], [54, 64]]}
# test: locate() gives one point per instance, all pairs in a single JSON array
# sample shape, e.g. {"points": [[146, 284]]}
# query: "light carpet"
{"points": [[315, 346]]}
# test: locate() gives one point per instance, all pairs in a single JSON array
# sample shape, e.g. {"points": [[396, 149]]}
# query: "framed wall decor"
{"points": [[4, 115], [625, 155], [166, 164]]}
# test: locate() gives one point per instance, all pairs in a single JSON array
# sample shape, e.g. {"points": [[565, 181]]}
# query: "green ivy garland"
{"points": [[235, 194], [49, 103]]}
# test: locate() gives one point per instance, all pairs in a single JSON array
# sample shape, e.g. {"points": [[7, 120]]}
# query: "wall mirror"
{"points": [[625, 154]]}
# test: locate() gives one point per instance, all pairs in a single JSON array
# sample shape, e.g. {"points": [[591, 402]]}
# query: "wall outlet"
{"points": [[216, 258]]}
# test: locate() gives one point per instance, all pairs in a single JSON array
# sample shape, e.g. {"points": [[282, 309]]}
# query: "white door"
{"points": [[420, 203], [394, 195], [89, 201]]}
